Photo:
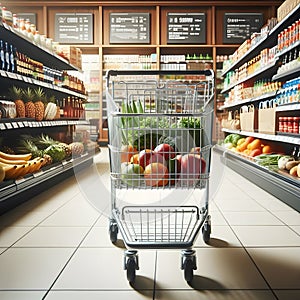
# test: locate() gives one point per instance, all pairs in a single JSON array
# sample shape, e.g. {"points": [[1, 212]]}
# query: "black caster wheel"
{"points": [[130, 270], [188, 270], [131, 264], [206, 231], [113, 231], [188, 264]]}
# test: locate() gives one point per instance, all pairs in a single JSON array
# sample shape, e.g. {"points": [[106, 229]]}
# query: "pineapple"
{"points": [[47, 141], [29, 105], [77, 148], [16, 94], [39, 104]]}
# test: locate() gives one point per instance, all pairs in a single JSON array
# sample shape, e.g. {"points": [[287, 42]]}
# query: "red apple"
{"points": [[148, 156], [196, 150], [192, 165], [166, 150]]}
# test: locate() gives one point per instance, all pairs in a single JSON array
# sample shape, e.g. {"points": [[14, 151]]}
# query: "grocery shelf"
{"points": [[290, 74], [19, 123], [282, 186], [31, 81], [13, 192], [285, 138], [268, 41], [249, 100], [269, 68], [35, 51]]}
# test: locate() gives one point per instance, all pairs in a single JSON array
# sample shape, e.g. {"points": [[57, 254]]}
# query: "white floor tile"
{"points": [[266, 236], [97, 237], [9, 235], [221, 237], [22, 295], [31, 268], [251, 218], [214, 295], [289, 217], [296, 229], [280, 266], [218, 269], [238, 203], [53, 237], [102, 268], [97, 295]]}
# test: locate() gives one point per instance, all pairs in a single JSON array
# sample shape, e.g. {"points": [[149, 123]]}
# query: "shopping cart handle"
{"points": [[110, 73]]}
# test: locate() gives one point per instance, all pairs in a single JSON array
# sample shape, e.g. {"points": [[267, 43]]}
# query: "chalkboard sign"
{"points": [[127, 28], [186, 28], [74, 28], [239, 26], [30, 16]]}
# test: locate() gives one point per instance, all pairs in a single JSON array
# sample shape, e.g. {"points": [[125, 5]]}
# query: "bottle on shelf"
{"points": [[7, 57], [2, 55]]}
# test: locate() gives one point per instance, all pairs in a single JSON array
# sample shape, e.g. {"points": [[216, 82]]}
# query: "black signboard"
{"points": [[186, 28], [74, 28], [127, 28], [239, 26], [30, 16]]}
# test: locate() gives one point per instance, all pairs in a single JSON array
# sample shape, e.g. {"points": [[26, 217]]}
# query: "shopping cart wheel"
{"points": [[131, 264], [113, 231], [188, 264], [206, 230]]}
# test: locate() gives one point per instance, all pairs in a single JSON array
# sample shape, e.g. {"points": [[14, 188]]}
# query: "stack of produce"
{"points": [[34, 104]]}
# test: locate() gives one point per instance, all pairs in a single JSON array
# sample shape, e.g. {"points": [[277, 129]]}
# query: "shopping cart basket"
{"points": [[160, 133]]}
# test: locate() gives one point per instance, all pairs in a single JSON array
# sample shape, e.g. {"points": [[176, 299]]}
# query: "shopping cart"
{"points": [[160, 133]]}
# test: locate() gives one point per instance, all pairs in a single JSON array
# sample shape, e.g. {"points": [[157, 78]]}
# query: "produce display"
{"points": [[33, 153], [162, 166], [264, 154]]}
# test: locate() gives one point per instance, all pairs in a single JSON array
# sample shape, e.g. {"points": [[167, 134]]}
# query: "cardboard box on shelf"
{"points": [[285, 8], [72, 54]]}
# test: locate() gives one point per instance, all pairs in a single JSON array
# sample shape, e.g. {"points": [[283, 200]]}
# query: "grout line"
{"points": [[72, 255], [154, 275]]}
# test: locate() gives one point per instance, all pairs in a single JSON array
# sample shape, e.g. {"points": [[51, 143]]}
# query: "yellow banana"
{"points": [[7, 156], [13, 162]]}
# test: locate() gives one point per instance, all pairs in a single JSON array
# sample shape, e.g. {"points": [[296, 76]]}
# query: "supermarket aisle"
{"points": [[56, 246]]}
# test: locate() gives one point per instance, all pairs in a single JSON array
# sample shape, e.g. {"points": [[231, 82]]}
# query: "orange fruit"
{"points": [[156, 174], [266, 149], [127, 151]]}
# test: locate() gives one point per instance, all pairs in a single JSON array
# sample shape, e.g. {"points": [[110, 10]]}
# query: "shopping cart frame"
{"points": [[135, 239]]}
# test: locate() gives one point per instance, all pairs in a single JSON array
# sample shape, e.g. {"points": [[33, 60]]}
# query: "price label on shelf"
{"points": [[15, 125], [3, 73], [20, 124], [8, 126], [2, 126]]}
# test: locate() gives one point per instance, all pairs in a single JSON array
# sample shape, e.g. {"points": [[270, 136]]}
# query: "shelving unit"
{"points": [[158, 46], [285, 187], [13, 192]]}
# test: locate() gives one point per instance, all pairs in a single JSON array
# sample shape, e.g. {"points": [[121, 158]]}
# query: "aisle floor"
{"points": [[56, 246]]}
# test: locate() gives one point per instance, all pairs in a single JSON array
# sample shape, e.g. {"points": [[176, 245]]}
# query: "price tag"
{"points": [[14, 125], [20, 124], [12, 75], [25, 123], [19, 180], [3, 73], [8, 125], [2, 126]]}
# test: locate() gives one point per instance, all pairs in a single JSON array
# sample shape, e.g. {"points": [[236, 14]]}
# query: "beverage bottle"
{"points": [[2, 55], [7, 58], [13, 59]]}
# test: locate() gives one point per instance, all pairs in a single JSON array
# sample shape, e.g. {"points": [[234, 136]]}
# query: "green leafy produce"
{"points": [[56, 152], [232, 138], [268, 160]]}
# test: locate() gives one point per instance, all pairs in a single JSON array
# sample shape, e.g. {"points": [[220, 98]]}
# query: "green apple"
{"points": [[131, 174]]}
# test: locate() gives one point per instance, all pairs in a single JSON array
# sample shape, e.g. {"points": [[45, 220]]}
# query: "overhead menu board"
{"points": [[129, 28], [186, 28], [74, 28], [239, 26]]}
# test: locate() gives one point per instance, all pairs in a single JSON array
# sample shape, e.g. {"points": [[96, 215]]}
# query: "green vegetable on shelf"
{"points": [[232, 138]]}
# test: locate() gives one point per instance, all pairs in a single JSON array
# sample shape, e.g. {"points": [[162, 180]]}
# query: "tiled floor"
{"points": [[56, 246]]}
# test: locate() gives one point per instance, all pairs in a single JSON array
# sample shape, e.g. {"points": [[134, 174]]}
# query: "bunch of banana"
{"points": [[18, 165]]}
